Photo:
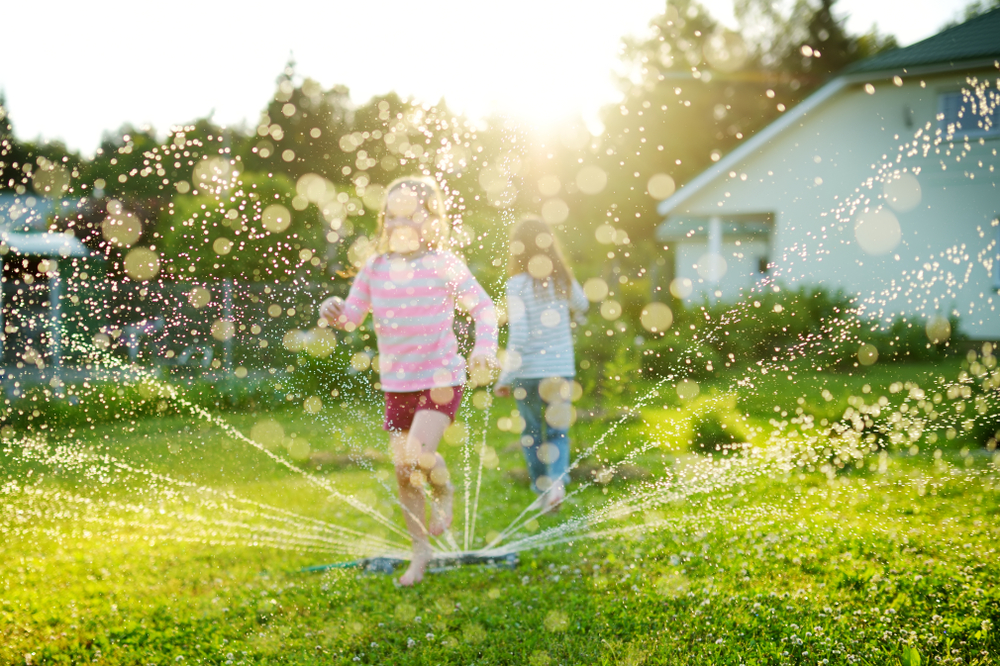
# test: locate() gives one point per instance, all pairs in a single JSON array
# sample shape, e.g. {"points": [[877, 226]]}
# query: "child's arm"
{"points": [[517, 335], [349, 314], [578, 303], [472, 298]]}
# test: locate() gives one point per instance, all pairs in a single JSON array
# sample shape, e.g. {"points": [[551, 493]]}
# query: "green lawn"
{"points": [[173, 540]]}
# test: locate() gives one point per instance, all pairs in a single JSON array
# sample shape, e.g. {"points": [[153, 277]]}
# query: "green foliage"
{"points": [[710, 435], [754, 328], [335, 374], [615, 385], [231, 232], [972, 10], [782, 325], [102, 402], [905, 339], [121, 156], [806, 39], [975, 390], [910, 656], [12, 151], [680, 354]]}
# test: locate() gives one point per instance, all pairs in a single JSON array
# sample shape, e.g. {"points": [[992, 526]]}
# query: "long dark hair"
{"points": [[532, 239]]}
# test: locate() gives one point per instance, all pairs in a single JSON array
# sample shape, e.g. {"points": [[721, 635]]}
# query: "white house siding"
{"points": [[818, 175], [742, 264]]}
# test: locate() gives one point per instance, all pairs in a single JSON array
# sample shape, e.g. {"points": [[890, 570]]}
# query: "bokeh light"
{"points": [[877, 232], [902, 191], [656, 317], [142, 264], [660, 186], [276, 218]]}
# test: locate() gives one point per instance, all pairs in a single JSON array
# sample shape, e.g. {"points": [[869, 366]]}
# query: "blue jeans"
{"points": [[547, 455]]}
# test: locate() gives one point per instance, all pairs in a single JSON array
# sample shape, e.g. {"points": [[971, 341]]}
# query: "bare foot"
{"points": [[441, 511], [553, 498], [415, 572]]}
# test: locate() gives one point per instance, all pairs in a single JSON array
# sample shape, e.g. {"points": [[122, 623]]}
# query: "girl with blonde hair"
{"points": [[412, 286]]}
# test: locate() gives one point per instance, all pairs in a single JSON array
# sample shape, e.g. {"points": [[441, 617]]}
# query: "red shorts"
{"points": [[401, 407]]}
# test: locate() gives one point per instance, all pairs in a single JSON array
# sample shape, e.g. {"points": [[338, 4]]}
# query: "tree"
{"points": [[120, 167], [972, 10], [300, 129], [45, 170], [340, 156], [236, 224], [691, 93], [13, 154], [809, 43]]}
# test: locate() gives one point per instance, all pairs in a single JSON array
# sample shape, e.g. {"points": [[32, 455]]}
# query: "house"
{"points": [[883, 183], [31, 257]]}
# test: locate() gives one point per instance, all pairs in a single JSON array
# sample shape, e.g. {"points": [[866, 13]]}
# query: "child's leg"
{"points": [[555, 455], [555, 452], [558, 418], [426, 432], [529, 405], [415, 465], [411, 494]]}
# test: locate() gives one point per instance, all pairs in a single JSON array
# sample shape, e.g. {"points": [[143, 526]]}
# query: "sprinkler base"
{"points": [[386, 565]]}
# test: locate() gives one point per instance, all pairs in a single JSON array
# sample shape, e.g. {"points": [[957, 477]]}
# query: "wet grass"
{"points": [[873, 563]]}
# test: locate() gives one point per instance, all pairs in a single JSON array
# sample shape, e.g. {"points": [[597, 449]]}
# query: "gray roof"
{"points": [[27, 213], [44, 244], [976, 39], [24, 212]]}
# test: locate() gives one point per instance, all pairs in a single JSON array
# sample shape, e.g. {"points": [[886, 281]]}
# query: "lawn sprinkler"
{"points": [[441, 563]]}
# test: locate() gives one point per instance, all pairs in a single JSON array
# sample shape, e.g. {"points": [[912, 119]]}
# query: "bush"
{"points": [[96, 403], [681, 355], [906, 340], [709, 434], [977, 390], [704, 340], [84, 405]]}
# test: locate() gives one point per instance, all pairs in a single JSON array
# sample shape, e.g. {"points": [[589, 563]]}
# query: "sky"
{"points": [[79, 69]]}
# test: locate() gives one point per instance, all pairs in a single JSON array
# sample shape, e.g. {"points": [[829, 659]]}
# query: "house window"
{"points": [[762, 265], [970, 113]]}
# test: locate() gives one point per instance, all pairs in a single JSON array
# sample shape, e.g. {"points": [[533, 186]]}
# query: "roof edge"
{"points": [[800, 110], [759, 139], [943, 67]]}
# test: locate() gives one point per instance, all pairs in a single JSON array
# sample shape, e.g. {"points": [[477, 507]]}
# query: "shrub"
{"points": [[706, 339], [96, 403], [684, 356], [709, 434], [906, 340], [977, 391]]}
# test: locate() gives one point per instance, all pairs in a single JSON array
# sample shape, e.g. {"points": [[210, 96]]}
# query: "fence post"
{"points": [[227, 316], [55, 319], [3, 325]]}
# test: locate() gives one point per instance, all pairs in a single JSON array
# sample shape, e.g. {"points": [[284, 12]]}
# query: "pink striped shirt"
{"points": [[412, 301]]}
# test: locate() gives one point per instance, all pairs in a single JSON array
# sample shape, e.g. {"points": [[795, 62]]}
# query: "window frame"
{"points": [[960, 133]]}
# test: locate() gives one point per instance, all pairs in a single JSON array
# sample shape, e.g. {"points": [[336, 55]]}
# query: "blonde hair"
{"points": [[436, 234]]}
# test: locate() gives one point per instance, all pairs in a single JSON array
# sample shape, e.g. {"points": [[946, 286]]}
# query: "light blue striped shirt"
{"points": [[540, 342]]}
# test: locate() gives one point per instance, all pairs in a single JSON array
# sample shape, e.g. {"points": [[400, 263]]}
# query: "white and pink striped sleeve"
{"points": [[472, 298]]}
